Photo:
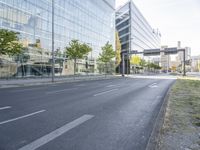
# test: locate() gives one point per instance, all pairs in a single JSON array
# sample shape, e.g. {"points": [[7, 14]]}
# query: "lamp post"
{"points": [[53, 60], [127, 56]]}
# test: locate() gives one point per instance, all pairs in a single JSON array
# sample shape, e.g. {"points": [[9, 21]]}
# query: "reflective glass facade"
{"points": [[89, 21], [133, 28]]}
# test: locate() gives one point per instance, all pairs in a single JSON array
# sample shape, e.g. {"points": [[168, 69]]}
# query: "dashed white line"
{"points": [[105, 92], [29, 89], [112, 85], [6, 107], [154, 85], [80, 85], [21, 117], [56, 133], [59, 91]]}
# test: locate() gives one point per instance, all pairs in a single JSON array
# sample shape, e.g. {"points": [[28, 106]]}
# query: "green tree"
{"points": [[153, 66], [135, 60], [143, 63], [9, 43], [77, 50], [107, 54], [117, 49]]}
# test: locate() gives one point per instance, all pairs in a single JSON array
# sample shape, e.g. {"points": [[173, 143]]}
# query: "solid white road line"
{"points": [[59, 91], [56, 133], [105, 92], [6, 107], [25, 116]]}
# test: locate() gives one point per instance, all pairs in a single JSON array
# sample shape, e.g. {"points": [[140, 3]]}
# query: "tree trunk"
{"points": [[74, 66], [106, 69]]}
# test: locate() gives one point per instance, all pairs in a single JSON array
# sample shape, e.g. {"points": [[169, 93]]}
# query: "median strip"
{"points": [[101, 93], [56, 133], [21, 117]]}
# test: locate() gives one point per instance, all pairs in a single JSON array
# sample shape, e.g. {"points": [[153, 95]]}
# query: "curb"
{"points": [[153, 141], [4, 86]]}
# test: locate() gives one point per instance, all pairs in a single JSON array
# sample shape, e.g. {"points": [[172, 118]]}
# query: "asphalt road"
{"points": [[115, 114]]}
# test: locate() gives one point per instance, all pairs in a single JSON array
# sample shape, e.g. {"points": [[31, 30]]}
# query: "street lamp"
{"points": [[53, 60], [127, 65]]}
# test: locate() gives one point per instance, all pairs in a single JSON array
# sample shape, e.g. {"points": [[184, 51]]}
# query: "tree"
{"points": [[143, 63], [117, 49], [153, 66], [9, 43], [77, 50], [107, 54], [135, 60]]}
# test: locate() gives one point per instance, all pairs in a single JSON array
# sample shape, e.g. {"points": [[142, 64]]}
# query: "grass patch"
{"points": [[182, 118], [185, 101], [196, 116]]}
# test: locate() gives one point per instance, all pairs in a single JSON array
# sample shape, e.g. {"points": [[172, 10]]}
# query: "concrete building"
{"points": [[165, 60], [89, 21], [134, 31], [156, 60], [195, 64]]}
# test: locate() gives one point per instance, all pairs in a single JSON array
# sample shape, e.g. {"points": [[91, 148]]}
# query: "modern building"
{"points": [[134, 31], [89, 21]]}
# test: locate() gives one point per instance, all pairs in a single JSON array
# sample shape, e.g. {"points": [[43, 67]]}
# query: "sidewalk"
{"points": [[43, 81]]}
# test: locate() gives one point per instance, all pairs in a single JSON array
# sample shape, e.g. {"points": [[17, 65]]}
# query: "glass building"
{"points": [[89, 21], [135, 33]]}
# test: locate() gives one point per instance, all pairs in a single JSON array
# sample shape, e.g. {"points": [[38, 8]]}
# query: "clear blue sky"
{"points": [[176, 19]]}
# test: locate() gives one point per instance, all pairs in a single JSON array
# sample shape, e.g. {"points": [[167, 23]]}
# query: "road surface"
{"points": [[114, 114]]}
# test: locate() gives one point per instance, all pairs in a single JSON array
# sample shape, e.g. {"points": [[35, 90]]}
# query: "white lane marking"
{"points": [[23, 90], [56, 133], [80, 85], [112, 85], [6, 107], [59, 91], [25, 116], [105, 92], [154, 85]]}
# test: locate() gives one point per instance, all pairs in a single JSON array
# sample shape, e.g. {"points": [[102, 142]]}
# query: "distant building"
{"points": [[165, 60], [134, 31], [187, 54], [195, 63], [156, 60]]}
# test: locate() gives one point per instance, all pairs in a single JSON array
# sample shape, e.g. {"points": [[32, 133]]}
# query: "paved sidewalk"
{"points": [[42, 81]]}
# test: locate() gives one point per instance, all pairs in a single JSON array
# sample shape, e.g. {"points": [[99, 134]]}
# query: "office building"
{"points": [[195, 64], [89, 21], [134, 31]]}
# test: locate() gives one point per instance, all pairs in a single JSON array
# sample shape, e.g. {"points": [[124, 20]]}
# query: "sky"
{"points": [[177, 20]]}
